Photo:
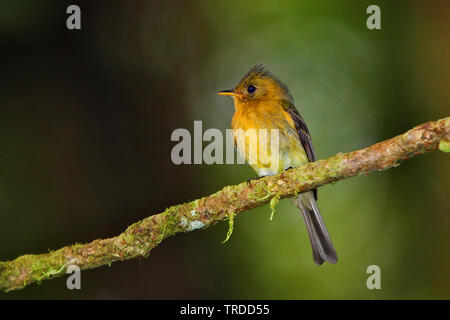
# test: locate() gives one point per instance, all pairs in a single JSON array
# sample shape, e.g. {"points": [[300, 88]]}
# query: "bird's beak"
{"points": [[227, 92]]}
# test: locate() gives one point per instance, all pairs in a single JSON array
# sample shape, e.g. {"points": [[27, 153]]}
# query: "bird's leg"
{"points": [[259, 177], [255, 178]]}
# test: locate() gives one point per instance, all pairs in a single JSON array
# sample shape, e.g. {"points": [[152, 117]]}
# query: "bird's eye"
{"points": [[251, 89]]}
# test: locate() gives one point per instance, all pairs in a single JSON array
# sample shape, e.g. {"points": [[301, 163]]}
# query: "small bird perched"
{"points": [[262, 101]]}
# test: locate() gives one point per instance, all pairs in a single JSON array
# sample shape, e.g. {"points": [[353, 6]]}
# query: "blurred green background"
{"points": [[86, 118]]}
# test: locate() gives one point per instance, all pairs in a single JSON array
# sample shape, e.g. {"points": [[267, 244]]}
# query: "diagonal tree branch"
{"points": [[141, 237]]}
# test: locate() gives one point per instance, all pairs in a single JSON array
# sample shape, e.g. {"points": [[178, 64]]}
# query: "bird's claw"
{"points": [[254, 178]]}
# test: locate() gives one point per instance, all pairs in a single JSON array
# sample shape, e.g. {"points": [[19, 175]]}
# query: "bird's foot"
{"points": [[255, 178]]}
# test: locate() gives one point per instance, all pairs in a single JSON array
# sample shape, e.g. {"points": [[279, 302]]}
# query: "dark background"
{"points": [[86, 118]]}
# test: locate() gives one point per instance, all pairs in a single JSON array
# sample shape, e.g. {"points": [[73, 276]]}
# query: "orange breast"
{"points": [[266, 137]]}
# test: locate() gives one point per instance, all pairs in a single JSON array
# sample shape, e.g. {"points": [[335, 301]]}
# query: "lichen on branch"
{"points": [[141, 237]]}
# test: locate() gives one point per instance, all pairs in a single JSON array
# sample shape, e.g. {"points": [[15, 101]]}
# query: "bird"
{"points": [[263, 102]]}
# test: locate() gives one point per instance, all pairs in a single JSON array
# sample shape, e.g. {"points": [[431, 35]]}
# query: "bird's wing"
{"points": [[303, 132]]}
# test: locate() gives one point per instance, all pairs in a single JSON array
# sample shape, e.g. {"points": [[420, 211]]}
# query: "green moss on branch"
{"points": [[141, 237]]}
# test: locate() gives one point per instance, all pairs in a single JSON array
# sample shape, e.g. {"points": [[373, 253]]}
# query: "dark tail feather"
{"points": [[322, 246]]}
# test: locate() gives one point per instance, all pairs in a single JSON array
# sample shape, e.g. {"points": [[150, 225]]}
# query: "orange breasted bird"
{"points": [[262, 101]]}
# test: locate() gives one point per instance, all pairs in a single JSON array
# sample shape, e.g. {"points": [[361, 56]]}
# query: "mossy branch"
{"points": [[140, 238]]}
